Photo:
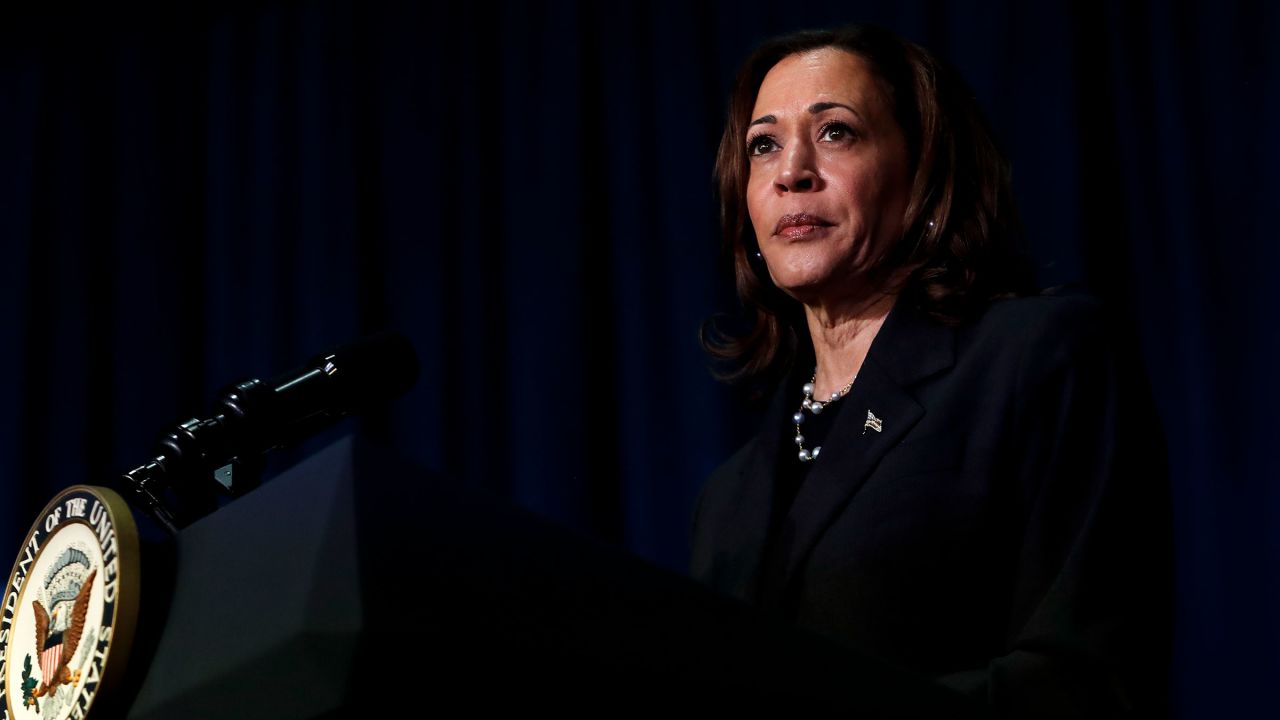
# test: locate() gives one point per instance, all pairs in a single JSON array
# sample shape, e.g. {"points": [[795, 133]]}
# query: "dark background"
{"points": [[192, 197]]}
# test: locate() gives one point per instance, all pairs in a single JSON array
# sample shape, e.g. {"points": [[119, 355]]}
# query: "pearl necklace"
{"points": [[815, 407]]}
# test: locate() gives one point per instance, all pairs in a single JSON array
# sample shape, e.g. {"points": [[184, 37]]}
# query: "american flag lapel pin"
{"points": [[872, 423]]}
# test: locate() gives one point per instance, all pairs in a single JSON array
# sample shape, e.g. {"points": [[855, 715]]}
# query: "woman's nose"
{"points": [[797, 172]]}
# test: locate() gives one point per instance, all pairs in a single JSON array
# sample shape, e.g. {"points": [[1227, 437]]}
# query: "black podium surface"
{"points": [[356, 586]]}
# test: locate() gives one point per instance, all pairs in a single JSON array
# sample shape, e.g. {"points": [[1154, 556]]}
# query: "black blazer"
{"points": [[1007, 530]]}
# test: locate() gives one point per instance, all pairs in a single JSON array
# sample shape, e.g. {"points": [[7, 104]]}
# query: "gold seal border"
{"points": [[125, 616]]}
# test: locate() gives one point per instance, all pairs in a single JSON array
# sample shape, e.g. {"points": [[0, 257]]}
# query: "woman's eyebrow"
{"points": [[814, 109]]}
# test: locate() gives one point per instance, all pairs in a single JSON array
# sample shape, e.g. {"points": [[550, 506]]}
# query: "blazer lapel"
{"points": [[755, 506], [907, 349]]}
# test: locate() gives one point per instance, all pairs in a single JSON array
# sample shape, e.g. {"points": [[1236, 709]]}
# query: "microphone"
{"points": [[255, 416], [347, 379]]}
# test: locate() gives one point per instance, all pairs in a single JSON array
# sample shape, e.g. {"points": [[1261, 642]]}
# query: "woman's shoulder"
{"points": [[1053, 323], [1027, 340], [1050, 312], [737, 462]]}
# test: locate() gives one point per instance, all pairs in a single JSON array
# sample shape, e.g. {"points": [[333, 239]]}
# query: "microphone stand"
{"points": [[200, 460]]}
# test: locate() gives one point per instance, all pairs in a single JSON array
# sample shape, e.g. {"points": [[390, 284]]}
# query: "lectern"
{"points": [[354, 585]]}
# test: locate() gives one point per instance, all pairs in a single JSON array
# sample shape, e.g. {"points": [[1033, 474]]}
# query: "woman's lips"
{"points": [[800, 224]]}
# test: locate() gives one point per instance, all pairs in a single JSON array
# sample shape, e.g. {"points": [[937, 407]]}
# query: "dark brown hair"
{"points": [[960, 229]]}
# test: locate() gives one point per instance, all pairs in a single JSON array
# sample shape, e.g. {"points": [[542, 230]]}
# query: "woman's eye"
{"points": [[760, 145], [835, 132]]}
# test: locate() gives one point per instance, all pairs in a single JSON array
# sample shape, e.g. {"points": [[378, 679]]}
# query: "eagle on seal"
{"points": [[58, 647]]}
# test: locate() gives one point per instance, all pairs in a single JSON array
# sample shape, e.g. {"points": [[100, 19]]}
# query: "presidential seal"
{"points": [[69, 608]]}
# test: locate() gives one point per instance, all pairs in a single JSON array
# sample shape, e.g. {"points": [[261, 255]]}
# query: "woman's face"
{"points": [[829, 177]]}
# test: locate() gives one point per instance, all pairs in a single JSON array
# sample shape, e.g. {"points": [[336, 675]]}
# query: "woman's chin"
{"points": [[805, 286], [825, 291]]}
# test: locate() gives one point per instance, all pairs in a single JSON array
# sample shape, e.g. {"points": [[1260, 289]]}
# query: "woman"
{"points": [[952, 476]]}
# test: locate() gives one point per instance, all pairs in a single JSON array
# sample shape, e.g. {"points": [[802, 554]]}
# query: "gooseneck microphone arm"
{"points": [[254, 416]]}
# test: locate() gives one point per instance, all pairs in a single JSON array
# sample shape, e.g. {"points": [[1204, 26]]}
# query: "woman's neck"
{"points": [[841, 338]]}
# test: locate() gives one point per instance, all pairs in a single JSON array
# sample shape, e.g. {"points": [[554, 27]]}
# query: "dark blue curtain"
{"points": [[189, 198]]}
